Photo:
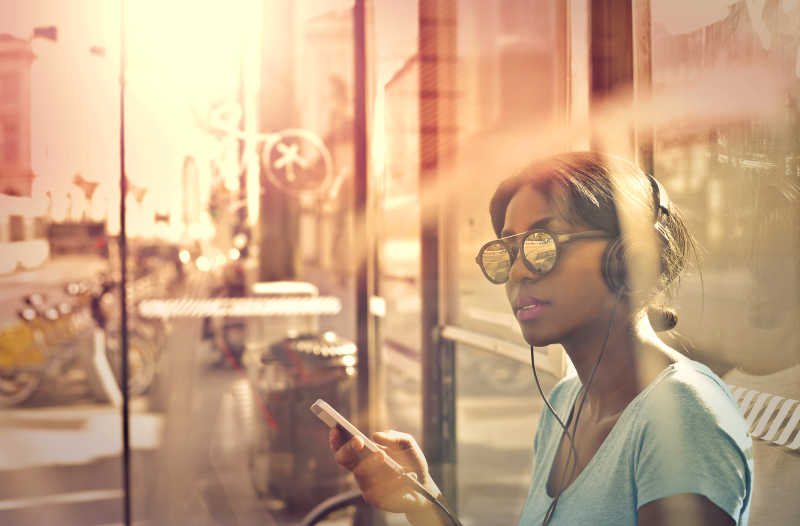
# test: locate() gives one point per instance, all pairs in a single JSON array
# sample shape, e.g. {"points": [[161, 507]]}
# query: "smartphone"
{"points": [[332, 418]]}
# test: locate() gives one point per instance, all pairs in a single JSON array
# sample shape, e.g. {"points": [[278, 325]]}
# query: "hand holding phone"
{"points": [[332, 418]]}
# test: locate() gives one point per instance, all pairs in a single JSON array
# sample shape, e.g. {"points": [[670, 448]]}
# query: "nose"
{"points": [[519, 271]]}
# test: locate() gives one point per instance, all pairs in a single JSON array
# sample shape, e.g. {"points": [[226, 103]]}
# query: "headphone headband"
{"points": [[613, 265]]}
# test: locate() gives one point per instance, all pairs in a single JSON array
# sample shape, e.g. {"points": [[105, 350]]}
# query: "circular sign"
{"points": [[298, 162]]}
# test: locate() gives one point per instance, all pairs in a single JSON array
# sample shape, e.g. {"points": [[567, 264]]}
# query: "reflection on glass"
{"points": [[201, 101], [540, 251], [512, 109], [729, 155], [497, 410], [60, 425]]}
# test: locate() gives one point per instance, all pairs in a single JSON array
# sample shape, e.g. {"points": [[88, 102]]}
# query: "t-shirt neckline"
{"points": [[553, 448]]}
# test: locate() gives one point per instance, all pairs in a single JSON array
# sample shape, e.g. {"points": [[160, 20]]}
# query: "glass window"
{"points": [[509, 91], [398, 221], [241, 211], [512, 109], [497, 411], [61, 425], [238, 169], [728, 153]]}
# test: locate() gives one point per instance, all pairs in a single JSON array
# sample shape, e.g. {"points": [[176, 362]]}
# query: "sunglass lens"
{"points": [[540, 251], [496, 261]]}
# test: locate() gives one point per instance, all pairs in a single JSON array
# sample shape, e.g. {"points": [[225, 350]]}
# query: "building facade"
{"points": [[16, 177]]}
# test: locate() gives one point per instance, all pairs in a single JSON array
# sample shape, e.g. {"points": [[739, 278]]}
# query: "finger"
{"points": [[373, 470], [336, 438], [349, 454], [393, 439], [389, 492]]}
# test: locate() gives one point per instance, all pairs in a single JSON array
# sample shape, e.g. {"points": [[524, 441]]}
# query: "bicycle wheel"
{"points": [[141, 361], [17, 386]]}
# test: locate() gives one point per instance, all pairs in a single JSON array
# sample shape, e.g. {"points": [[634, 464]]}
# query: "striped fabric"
{"points": [[770, 417]]}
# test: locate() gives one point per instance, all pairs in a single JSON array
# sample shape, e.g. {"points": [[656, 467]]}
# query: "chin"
{"points": [[537, 337]]}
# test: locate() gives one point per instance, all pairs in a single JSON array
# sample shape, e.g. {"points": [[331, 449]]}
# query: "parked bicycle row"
{"points": [[78, 327]]}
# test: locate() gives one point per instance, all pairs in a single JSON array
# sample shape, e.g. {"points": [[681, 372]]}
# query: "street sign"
{"points": [[298, 162]]}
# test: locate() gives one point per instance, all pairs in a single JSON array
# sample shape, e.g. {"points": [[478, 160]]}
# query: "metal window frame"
{"points": [[437, 62]]}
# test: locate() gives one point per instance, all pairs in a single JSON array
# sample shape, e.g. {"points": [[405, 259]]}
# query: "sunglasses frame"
{"points": [[558, 240]]}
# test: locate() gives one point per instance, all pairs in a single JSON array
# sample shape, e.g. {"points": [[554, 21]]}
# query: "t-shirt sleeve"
{"points": [[693, 440]]}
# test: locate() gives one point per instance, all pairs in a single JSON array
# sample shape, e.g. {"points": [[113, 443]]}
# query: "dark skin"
{"points": [[381, 486], [575, 310]]}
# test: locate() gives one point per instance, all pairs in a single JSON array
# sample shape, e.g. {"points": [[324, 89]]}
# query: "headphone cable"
{"points": [[427, 494], [554, 503]]}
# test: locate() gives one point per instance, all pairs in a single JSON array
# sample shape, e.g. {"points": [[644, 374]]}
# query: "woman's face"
{"points": [[572, 299]]}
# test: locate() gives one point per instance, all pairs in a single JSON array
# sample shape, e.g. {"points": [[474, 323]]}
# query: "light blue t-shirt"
{"points": [[682, 434]]}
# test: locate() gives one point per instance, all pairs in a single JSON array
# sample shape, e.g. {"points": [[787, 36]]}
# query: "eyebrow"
{"points": [[538, 224]]}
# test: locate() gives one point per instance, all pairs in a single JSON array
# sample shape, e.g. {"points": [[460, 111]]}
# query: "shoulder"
{"points": [[689, 394], [691, 439]]}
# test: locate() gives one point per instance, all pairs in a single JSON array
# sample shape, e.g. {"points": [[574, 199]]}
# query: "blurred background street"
{"points": [[192, 432], [299, 190]]}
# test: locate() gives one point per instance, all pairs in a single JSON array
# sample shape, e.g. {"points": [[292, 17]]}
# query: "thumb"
{"points": [[393, 439]]}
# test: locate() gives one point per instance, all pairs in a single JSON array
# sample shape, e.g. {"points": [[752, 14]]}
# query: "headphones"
{"points": [[613, 268]]}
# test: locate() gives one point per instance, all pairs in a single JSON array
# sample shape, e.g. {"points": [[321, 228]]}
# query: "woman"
{"points": [[641, 435]]}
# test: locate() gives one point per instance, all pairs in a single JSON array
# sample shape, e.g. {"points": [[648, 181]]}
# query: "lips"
{"points": [[529, 307]]}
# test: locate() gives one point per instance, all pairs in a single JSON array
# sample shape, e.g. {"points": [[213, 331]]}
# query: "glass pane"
{"points": [[497, 409], [239, 164], [512, 110], [729, 155], [398, 222], [60, 423]]}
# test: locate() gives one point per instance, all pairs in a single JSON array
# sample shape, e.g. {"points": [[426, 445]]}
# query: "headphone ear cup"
{"points": [[613, 267]]}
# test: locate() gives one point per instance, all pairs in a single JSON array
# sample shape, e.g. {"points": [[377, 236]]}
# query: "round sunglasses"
{"points": [[539, 252]]}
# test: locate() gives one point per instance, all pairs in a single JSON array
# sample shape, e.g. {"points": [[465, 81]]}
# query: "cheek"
{"points": [[581, 281], [509, 288]]}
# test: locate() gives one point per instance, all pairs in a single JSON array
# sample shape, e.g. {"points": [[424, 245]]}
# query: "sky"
{"points": [[181, 57]]}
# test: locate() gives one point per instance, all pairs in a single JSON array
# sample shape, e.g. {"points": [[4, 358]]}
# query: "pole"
{"points": [[437, 100], [279, 251], [123, 255], [364, 287]]}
